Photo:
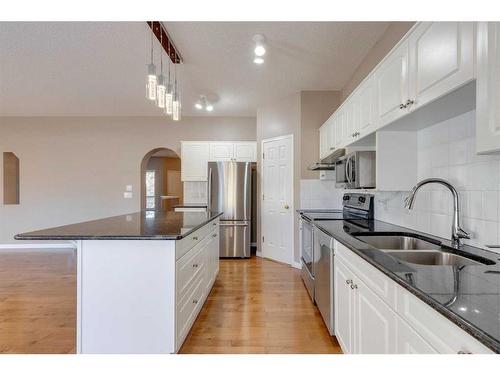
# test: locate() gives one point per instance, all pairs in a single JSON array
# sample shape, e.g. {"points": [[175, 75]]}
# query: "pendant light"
{"points": [[161, 89], [176, 104], [151, 79], [169, 94]]}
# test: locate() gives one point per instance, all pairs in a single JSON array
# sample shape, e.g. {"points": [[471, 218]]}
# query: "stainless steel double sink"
{"points": [[418, 250]]}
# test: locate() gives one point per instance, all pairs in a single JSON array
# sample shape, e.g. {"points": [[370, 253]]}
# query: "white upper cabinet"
{"points": [[441, 59], [323, 140], [245, 151], [367, 107], [221, 151], [196, 155], [331, 134], [391, 81], [488, 87], [194, 158]]}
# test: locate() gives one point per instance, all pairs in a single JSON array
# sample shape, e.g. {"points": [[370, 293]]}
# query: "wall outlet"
{"points": [[127, 194], [128, 188]]}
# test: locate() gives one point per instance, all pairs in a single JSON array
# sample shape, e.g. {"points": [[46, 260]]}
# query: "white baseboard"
{"points": [[259, 254], [297, 265], [33, 246]]}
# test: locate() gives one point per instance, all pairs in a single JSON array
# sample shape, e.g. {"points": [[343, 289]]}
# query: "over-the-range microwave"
{"points": [[356, 170]]}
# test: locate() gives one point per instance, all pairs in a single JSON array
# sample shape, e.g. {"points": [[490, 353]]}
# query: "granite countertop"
{"points": [[468, 295], [150, 225]]}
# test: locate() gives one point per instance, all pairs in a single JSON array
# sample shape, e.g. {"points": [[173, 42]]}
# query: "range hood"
{"points": [[328, 163]]}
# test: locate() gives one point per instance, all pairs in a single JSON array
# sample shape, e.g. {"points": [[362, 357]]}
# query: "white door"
{"points": [[277, 199], [375, 323], [441, 59], [488, 87], [344, 306], [221, 151], [245, 151], [392, 85], [194, 158]]}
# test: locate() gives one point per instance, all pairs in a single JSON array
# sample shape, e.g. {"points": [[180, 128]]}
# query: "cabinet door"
{"points": [[441, 59], [488, 88], [340, 128], [344, 306], [221, 151], [367, 107], [391, 81], [375, 323], [410, 342], [331, 134], [351, 119], [194, 158], [245, 151], [323, 140]]}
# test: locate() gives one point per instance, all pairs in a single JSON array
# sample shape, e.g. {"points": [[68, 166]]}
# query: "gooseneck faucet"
{"points": [[456, 232]]}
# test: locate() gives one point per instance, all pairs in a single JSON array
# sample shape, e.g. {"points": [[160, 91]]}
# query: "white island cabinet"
{"points": [[142, 278]]}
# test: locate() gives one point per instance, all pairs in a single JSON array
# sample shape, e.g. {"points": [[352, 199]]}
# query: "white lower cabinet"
{"points": [[195, 273], [375, 315]]}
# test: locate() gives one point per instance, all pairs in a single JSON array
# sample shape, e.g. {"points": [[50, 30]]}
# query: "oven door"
{"points": [[307, 257]]}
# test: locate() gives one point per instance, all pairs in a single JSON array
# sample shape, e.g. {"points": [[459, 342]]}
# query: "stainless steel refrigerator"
{"points": [[229, 191]]}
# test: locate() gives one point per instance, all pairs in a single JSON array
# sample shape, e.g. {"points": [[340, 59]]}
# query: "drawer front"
{"points": [[437, 330], [379, 283], [188, 309], [188, 268], [187, 243]]}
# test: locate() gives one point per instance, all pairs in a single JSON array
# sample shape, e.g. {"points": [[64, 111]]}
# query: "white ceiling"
{"points": [[98, 68]]}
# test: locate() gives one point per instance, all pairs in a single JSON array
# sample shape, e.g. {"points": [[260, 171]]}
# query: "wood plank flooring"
{"points": [[38, 301], [259, 306], [256, 306]]}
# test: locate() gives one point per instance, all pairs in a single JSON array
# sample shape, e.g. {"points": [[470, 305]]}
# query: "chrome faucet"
{"points": [[456, 232]]}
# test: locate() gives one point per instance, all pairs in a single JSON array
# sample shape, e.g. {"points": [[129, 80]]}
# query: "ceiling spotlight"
{"points": [[260, 45], [198, 105], [258, 60], [203, 103], [209, 108]]}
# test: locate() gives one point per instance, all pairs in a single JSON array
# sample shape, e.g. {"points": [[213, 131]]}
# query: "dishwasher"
{"points": [[323, 280]]}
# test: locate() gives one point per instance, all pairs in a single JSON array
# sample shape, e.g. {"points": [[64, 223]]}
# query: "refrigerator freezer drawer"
{"points": [[234, 239]]}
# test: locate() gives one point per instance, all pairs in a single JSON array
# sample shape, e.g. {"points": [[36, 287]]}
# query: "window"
{"points": [[150, 190]]}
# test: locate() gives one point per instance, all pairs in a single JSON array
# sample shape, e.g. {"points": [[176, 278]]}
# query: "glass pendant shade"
{"points": [[169, 98], [151, 82], [176, 110], [161, 90]]}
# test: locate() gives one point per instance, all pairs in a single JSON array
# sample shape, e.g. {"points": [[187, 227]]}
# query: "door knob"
{"points": [[286, 206]]}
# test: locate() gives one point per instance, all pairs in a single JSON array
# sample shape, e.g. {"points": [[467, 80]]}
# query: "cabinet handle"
{"points": [[214, 235], [464, 352], [402, 106], [354, 286], [409, 102], [332, 148], [195, 265], [348, 282], [195, 238], [214, 224], [195, 301]]}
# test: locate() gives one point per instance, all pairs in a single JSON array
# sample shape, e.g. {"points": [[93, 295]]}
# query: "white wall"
{"points": [[74, 169], [447, 150]]}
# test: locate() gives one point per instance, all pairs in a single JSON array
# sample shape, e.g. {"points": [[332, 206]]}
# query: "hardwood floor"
{"points": [[38, 301], [256, 306], [259, 306]]}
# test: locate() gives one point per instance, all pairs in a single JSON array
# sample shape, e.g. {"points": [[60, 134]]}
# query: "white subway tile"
{"points": [[490, 205], [476, 204]]}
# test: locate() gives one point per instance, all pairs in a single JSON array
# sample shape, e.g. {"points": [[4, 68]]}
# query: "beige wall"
{"points": [[76, 168], [301, 115], [316, 107], [389, 39]]}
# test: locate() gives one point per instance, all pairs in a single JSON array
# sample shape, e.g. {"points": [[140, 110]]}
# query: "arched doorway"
{"points": [[161, 185]]}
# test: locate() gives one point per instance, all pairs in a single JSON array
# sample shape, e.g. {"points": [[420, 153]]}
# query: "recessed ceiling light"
{"points": [[209, 107], [258, 60], [198, 105], [260, 45]]}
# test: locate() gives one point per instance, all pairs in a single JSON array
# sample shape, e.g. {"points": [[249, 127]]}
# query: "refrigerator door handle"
{"points": [[209, 193], [233, 224]]}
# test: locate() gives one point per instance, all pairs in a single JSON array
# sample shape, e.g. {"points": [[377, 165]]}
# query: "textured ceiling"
{"points": [[98, 68]]}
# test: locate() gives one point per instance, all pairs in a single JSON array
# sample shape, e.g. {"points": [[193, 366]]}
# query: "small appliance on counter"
{"points": [[318, 251]]}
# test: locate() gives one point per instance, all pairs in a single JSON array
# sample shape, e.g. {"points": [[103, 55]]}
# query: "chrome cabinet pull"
{"points": [[402, 106], [195, 265], [195, 238], [409, 102], [214, 235], [354, 286], [348, 282], [195, 301], [464, 352]]}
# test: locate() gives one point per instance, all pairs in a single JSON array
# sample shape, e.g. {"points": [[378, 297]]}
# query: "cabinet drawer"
{"points": [[187, 243], [438, 331], [379, 283], [188, 268], [188, 308]]}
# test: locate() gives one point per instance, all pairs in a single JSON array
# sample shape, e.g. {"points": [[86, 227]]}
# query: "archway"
{"points": [[161, 185]]}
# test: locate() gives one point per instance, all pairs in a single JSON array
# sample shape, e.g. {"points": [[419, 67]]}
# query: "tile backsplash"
{"points": [[195, 192], [320, 194], [448, 150]]}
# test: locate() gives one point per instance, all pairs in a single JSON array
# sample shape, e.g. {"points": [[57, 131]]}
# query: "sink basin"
{"points": [[433, 258], [397, 242]]}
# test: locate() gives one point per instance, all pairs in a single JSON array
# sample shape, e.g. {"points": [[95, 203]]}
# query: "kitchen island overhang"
{"points": [[142, 278]]}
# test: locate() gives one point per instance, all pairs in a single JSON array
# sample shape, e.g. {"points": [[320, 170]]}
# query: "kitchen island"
{"points": [[142, 278]]}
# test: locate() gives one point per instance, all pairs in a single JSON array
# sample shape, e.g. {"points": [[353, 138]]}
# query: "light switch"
{"points": [[128, 188], [127, 194]]}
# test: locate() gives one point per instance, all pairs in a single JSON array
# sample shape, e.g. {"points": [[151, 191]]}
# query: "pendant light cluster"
{"points": [[162, 89]]}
